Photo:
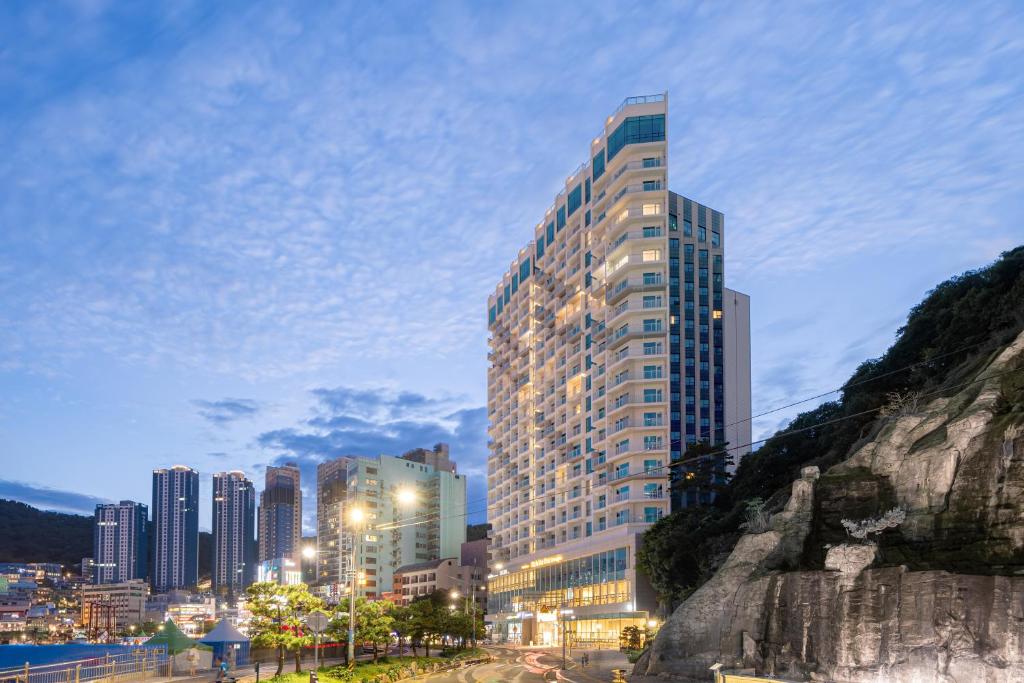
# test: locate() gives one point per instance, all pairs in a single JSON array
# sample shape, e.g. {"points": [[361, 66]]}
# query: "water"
{"points": [[17, 655]]}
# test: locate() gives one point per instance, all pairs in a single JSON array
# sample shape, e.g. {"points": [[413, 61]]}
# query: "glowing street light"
{"points": [[455, 595], [406, 496], [309, 552], [356, 515]]}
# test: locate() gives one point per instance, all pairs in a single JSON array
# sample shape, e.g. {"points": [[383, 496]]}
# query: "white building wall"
{"points": [[736, 327]]}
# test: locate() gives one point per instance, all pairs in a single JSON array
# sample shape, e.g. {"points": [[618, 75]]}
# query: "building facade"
{"points": [[395, 533], [234, 532], [608, 359], [280, 518], [110, 607], [120, 542], [331, 563], [736, 329], [175, 528], [445, 574], [283, 571]]}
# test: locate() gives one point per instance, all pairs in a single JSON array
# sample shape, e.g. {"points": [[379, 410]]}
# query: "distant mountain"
{"points": [[31, 535]]}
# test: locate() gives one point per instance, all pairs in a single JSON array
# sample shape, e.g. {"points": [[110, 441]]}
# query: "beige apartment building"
{"points": [[612, 334], [113, 606], [446, 575]]}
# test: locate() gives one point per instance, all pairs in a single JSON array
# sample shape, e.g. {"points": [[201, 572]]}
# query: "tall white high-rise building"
{"points": [[119, 542], [175, 528], [612, 336], [234, 532]]}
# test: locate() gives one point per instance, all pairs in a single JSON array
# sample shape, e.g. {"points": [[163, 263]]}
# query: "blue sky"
{"points": [[240, 233]]}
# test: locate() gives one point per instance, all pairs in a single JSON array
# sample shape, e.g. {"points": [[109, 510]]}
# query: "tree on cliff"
{"points": [[947, 337]]}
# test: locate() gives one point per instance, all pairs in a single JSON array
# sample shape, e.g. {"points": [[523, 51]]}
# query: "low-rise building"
{"points": [[11, 622], [190, 616], [446, 574], [112, 606]]}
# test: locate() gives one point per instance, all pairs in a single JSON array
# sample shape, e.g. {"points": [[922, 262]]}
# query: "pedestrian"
{"points": [[222, 669], [584, 660], [192, 656]]}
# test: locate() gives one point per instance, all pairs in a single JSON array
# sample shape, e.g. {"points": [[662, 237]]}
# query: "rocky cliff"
{"points": [[904, 563]]}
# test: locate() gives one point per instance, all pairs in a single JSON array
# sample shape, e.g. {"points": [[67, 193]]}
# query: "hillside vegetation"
{"points": [[947, 338], [31, 535]]}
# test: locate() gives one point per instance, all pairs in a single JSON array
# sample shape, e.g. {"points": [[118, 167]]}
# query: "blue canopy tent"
{"points": [[228, 644]]}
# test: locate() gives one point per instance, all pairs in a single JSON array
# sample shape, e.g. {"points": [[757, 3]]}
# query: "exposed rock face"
{"points": [[938, 597]]}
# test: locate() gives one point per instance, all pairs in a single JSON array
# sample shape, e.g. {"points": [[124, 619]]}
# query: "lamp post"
{"points": [[403, 496], [356, 519]]}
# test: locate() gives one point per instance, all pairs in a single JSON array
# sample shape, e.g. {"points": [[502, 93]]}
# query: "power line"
{"points": [[846, 387], [688, 461]]}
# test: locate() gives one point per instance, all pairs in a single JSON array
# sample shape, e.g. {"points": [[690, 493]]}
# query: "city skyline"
{"points": [[165, 306]]}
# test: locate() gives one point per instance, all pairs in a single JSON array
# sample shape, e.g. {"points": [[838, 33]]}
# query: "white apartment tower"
{"points": [[175, 528], [608, 350], [119, 542], [234, 532]]}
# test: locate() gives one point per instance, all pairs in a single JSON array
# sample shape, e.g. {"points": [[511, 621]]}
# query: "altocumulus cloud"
{"points": [[226, 410], [369, 422]]}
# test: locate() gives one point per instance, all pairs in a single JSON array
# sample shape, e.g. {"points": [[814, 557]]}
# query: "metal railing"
{"points": [[129, 666]]}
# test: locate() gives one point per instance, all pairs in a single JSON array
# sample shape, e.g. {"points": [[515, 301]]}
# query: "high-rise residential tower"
{"points": [[330, 499], [175, 528], [234, 532], [608, 359], [413, 512], [119, 542], [280, 524]]}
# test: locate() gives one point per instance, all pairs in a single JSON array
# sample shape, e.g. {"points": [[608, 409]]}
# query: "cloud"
{"points": [[370, 422], [226, 410], [48, 498]]}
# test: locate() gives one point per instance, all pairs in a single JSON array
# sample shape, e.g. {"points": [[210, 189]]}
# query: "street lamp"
{"points": [[406, 496], [357, 517], [309, 552]]}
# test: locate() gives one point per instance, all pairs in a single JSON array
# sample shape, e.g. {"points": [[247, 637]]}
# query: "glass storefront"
{"points": [[539, 602], [545, 629]]}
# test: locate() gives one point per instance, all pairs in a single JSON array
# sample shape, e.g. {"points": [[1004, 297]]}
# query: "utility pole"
{"points": [[356, 517]]}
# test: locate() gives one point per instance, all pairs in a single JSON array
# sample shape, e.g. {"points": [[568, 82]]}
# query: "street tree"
{"points": [[373, 623], [277, 618]]}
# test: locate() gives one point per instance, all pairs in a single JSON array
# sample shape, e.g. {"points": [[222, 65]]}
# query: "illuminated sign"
{"points": [[543, 562]]}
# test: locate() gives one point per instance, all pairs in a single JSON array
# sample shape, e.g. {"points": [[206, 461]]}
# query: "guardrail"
{"points": [[130, 666]]}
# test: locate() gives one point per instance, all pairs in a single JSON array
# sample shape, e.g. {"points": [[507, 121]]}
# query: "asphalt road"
{"points": [[507, 666]]}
